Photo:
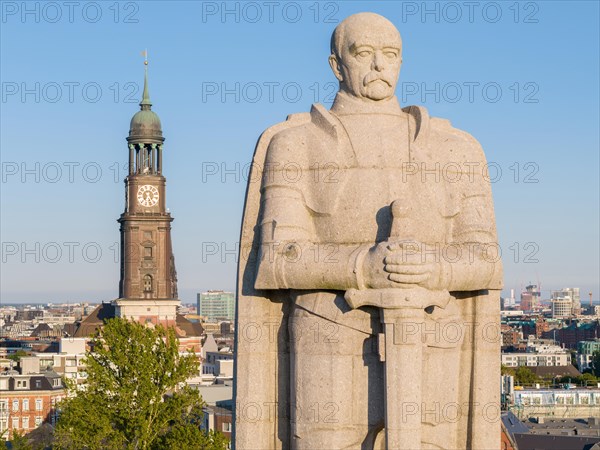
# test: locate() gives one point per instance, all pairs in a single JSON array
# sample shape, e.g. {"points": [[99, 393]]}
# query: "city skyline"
{"points": [[217, 78]]}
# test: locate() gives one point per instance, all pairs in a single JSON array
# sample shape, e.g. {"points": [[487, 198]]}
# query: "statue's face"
{"points": [[369, 64]]}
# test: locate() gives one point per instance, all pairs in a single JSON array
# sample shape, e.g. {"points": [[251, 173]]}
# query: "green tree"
{"points": [[20, 442], [586, 377], [524, 376], [135, 396], [16, 356], [505, 370], [188, 438], [2, 441], [596, 363]]}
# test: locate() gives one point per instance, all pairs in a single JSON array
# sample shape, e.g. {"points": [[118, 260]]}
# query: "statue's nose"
{"points": [[378, 61]]}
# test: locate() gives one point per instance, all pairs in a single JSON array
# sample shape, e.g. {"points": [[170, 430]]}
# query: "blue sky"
{"points": [[522, 77]]}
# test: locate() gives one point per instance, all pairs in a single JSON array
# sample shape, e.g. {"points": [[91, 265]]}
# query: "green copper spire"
{"points": [[145, 125], [146, 103]]}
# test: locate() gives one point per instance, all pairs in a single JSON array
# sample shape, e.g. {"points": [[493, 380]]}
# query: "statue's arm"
{"points": [[472, 262], [291, 256], [301, 264], [475, 262]]}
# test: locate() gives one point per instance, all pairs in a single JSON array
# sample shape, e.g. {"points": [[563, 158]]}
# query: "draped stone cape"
{"points": [[261, 370]]}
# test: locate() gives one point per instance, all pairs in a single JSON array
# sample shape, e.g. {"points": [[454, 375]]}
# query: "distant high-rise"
{"points": [[216, 305], [561, 307], [509, 302], [530, 298], [571, 293]]}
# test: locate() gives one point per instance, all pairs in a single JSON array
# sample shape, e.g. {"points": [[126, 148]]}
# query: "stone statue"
{"points": [[369, 276]]}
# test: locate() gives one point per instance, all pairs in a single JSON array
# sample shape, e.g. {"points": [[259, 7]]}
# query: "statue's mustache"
{"points": [[374, 76]]}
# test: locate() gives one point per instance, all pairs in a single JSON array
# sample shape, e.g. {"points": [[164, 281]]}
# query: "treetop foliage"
{"points": [[136, 395]]}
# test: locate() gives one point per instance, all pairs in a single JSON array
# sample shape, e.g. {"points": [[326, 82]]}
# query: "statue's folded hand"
{"points": [[407, 265], [373, 268], [392, 265]]}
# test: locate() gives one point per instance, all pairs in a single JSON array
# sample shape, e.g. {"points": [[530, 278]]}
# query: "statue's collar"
{"points": [[345, 104]]}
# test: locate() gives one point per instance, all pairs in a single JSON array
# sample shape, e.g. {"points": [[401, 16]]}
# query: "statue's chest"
{"points": [[383, 171], [377, 141], [379, 145], [362, 213]]}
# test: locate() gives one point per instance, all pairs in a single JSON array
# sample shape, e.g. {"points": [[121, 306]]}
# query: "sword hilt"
{"points": [[397, 298]]}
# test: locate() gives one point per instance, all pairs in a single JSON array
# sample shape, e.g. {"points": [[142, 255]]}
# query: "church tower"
{"points": [[148, 282]]}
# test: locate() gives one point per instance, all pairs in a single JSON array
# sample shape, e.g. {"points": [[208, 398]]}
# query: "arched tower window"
{"points": [[146, 159], [147, 283]]}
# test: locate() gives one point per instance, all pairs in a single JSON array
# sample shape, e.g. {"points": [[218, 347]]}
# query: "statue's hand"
{"points": [[374, 274], [407, 265]]}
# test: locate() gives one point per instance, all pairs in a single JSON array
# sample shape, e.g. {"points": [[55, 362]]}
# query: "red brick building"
{"points": [[27, 401], [510, 336], [218, 419], [574, 333]]}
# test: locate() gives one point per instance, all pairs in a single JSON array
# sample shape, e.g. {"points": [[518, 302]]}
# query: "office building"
{"points": [[216, 305]]}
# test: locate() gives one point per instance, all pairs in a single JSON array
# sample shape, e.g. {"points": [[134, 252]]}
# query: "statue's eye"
{"points": [[391, 55], [364, 53]]}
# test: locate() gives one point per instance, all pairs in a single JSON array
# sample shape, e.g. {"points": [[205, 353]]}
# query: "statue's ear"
{"points": [[335, 66]]}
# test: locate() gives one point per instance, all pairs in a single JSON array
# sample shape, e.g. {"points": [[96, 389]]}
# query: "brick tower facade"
{"points": [[148, 283]]}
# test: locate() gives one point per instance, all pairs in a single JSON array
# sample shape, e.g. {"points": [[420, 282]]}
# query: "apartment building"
{"points": [[28, 400]]}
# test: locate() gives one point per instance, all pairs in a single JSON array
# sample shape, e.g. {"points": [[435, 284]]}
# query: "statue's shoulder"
{"points": [[301, 135], [444, 138]]}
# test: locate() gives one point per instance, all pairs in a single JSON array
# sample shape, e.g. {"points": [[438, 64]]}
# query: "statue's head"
{"points": [[366, 54]]}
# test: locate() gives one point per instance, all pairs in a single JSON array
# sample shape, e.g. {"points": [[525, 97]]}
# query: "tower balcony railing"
{"points": [[151, 214]]}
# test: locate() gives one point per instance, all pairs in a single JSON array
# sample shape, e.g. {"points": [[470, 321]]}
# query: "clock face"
{"points": [[147, 195]]}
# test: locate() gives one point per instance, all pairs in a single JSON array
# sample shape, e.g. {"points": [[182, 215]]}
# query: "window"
{"points": [[46, 364], [15, 405], [15, 422], [148, 252], [38, 404], [227, 427], [3, 405], [3, 425], [38, 384], [25, 423], [147, 283], [25, 404], [38, 421]]}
